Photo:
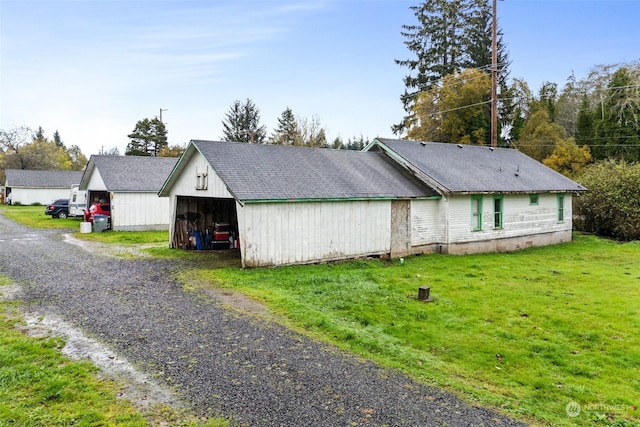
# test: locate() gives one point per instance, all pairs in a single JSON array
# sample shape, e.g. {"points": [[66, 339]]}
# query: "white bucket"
{"points": [[85, 227]]}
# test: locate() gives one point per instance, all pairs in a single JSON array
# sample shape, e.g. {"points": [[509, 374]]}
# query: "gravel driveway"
{"points": [[220, 361]]}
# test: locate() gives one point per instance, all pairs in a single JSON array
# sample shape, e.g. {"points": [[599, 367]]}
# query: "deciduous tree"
{"points": [[455, 111]]}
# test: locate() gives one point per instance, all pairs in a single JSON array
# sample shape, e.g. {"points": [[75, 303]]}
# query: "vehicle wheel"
{"points": [[62, 215]]}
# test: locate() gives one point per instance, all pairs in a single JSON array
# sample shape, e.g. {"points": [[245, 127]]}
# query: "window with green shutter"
{"points": [[560, 207]]}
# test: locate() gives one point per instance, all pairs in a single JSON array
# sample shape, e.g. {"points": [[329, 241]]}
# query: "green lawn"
{"points": [[34, 216], [525, 333]]}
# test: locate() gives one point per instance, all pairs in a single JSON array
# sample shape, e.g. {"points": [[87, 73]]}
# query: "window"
{"points": [[476, 213], [534, 199], [560, 207], [201, 181], [498, 202]]}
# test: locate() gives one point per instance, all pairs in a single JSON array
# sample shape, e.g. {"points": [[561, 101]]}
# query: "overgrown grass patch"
{"points": [[525, 332]]}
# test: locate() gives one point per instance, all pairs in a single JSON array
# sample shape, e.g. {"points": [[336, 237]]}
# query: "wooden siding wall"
{"points": [[185, 184], [139, 211], [519, 217], [305, 232], [428, 222]]}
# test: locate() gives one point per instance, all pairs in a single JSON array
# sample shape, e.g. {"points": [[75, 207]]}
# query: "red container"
{"points": [[221, 226], [220, 235]]}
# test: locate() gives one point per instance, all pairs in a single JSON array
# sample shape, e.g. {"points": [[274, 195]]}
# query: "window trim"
{"points": [[531, 199], [476, 215], [560, 208], [499, 215]]}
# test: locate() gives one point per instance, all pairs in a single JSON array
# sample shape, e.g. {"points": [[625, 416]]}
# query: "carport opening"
{"points": [[205, 224], [98, 197]]}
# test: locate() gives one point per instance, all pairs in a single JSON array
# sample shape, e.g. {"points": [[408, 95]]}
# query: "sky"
{"points": [[91, 69]]}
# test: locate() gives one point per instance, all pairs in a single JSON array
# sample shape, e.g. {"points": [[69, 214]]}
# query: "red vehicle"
{"points": [[97, 209]]}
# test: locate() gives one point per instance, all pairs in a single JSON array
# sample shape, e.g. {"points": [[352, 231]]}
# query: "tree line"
{"points": [[22, 148]]}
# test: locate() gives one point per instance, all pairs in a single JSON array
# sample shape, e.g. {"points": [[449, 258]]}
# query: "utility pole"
{"points": [[161, 110], [494, 77]]}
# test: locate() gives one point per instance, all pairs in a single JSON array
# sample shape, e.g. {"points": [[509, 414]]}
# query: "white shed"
{"points": [[29, 187], [131, 185], [290, 205]]}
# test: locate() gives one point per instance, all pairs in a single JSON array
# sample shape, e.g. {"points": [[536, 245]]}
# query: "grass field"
{"points": [[34, 216], [526, 333]]}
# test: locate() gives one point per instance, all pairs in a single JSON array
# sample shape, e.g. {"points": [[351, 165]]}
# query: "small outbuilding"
{"points": [[130, 184], [28, 187], [290, 205], [493, 199]]}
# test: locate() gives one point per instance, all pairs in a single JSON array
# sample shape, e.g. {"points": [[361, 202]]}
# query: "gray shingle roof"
{"points": [[41, 179], [275, 172], [131, 173], [477, 169]]}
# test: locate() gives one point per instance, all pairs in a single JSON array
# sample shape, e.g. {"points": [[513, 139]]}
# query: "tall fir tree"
{"points": [[242, 123], [450, 36], [57, 139], [287, 131]]}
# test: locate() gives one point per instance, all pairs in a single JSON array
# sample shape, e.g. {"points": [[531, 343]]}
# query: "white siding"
{"points": [[428, 222], [519, 217], [139, 211], [185, 184], [288, 233], [95, 182], [29, 196]]}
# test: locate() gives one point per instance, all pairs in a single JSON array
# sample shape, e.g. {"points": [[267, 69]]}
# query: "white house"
{"points": [[292, 205], [29, 187], [130, 184], [493, 199]]}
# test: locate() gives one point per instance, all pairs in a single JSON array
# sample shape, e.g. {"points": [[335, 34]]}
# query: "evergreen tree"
{"points": [[39, 136], [242, 123], [57, 139], [619, 127], [147, 139], [287, 131], [451, 35], [585, 126]]}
